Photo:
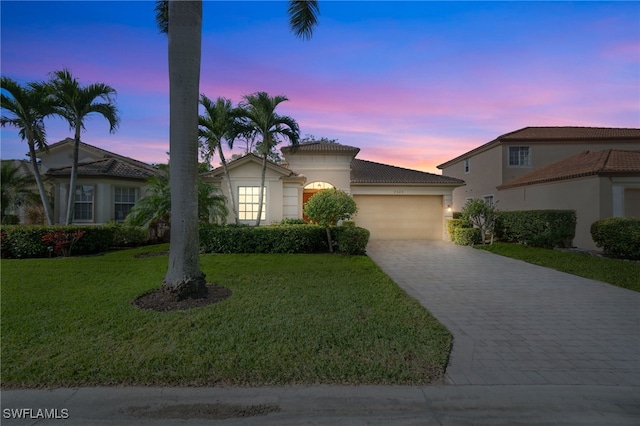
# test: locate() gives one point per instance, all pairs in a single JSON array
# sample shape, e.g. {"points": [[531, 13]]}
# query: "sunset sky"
{"points": [[413, 84]]}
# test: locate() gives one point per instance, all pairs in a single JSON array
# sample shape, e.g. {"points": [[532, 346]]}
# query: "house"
{"points": [[393, 202], [108, 184], [554, 168], [596, 184]]}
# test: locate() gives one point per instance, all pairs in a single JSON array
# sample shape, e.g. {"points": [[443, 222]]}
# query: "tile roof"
{"points": [[570, 133], [587, 163], [368, 172], [555, 135], [319, 147], [107, 167]]}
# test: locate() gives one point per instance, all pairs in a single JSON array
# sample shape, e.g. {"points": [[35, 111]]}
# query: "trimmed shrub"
{"points": [[291, 221], [26, 241], [618, 236], [280, 239], [10, 219], [127, 235], [467, 236], [537, 228], [351, 239], [455, 224]]}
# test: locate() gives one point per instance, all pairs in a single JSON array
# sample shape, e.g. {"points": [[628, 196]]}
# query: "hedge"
{"points": [[23, 241], [467, 236], [537, 228], [618, 236], [454, 224], [280, 239]]}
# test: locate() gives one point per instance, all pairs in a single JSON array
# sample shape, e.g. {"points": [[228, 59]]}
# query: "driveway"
{"points": [[515, 323]]}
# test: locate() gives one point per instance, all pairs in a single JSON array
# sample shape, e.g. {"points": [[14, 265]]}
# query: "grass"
{"points": [[292, 319], [620, 273]]}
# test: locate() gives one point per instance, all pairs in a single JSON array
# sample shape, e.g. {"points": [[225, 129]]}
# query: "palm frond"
{"points": [[303, 17]]}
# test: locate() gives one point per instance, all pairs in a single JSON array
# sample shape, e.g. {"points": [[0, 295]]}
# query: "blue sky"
{"points": [[411, 83]]}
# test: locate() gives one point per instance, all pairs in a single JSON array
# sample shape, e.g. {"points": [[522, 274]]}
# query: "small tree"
{"points": [[481, 215], [327, 207]]}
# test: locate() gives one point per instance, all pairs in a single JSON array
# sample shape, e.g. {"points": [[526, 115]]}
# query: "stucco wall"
{"points": [[332, 168], [585, 196]]}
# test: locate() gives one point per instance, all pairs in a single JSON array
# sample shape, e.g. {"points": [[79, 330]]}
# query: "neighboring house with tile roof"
{"points": [[108, 184], [393, 202], [547, 161], [596, 184]]}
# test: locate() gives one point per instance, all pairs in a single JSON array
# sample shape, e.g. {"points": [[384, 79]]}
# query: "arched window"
{"points": [[318, 185]]}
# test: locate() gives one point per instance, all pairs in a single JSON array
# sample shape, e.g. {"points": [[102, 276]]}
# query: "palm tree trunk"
{"points": [[73, 178], [43, 193], [229, 186], [262, 181], [184, 277]]}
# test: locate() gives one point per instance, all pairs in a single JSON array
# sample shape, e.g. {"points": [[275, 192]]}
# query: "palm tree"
{"points": [[154, 210], [74, 103], [259, 117], [218, 123], [28, 107], [15, 188], [182, 21]]}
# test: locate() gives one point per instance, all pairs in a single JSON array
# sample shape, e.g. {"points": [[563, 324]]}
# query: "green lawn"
{"points": [[292, 319], [620, 273]]}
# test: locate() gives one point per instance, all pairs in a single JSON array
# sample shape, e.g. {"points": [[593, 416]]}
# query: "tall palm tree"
{"points": [[15, 189], [74, 103], [28, 107], [258, 116], [182, 21], [218, 124]]}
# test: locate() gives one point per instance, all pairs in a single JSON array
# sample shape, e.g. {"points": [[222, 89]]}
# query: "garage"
{"points": [[405, 217]]}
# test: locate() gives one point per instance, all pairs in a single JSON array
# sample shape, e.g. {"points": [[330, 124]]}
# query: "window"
{"points": [[519, 156], [488, 200], [467, 165], [83, 207], [125, 199], [248, 202]]}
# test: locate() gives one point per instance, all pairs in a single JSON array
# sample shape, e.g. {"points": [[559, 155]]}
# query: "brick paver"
{"points": [[517, 323]]}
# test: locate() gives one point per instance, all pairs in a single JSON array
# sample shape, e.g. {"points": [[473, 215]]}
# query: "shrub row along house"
{"points": [[393, 202], [594, 171]]}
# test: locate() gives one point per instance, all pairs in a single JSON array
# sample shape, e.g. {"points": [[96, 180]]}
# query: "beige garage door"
{"points": [[407, 217]]}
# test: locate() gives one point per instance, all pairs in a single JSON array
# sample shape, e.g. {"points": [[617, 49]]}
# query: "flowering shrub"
{"points": [[61, 242]]}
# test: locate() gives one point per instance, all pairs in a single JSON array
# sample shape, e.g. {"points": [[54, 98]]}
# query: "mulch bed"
{"points": [[159, 300]]}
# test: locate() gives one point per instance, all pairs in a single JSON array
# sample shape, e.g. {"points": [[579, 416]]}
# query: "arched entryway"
{"points": [[309, 190]]}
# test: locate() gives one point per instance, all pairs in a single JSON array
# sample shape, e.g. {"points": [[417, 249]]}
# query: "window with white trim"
{"points": [[488, 200], [124, 200], [519, 156], [83, 206], [249, 201], [467, 165]]}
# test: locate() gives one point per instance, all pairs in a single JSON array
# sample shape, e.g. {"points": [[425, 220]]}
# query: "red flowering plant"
{"points": [[61, 242]]}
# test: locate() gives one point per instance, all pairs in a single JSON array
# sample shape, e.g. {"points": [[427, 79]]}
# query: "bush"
{"points": [[537, 228], [279, 239], [10, 219], [482, 216], [290, 221], [467, 236], [351, 239], [127, 235], [26, 241], [618, 236], [454, 224]]}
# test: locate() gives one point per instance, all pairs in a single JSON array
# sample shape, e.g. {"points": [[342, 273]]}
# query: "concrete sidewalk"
{"points": [[516, 323], [327, 405]]}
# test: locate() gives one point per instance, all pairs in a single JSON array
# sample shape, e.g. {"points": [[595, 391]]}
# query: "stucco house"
{"points": [[108, 184], [393, 202], [594, 171]]}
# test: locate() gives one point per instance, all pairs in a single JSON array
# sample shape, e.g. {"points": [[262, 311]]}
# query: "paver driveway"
{"points": [[517, 323]]}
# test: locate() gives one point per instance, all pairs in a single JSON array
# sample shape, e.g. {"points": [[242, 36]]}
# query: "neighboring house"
{"points": [[393, 203], [596, 184], [108, 184], [490, 169]]}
